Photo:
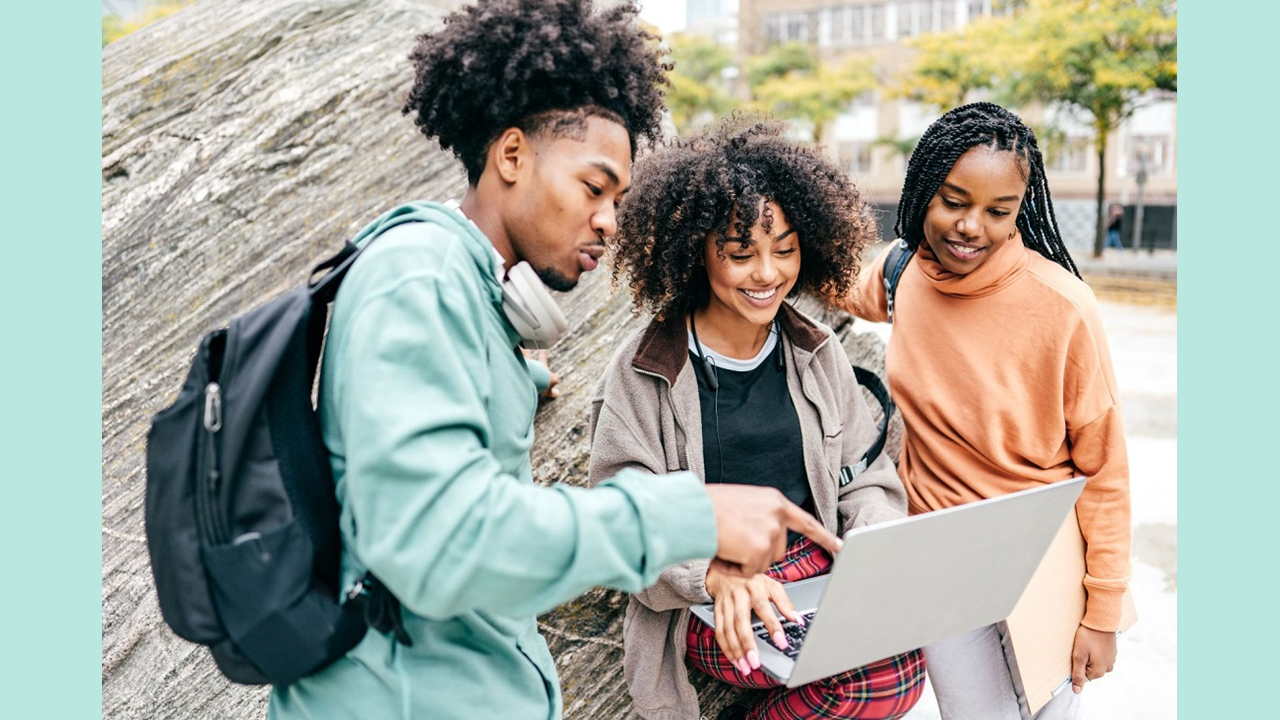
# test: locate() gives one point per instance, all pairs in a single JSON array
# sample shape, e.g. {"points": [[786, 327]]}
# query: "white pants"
{"points": [[972, 681]]}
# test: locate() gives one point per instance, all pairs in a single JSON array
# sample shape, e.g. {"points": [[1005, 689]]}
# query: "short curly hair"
{"points": [[539, 65], [691, 187]]}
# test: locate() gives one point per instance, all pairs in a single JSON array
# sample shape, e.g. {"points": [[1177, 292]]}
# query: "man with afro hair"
{"points": [[427, 403]]}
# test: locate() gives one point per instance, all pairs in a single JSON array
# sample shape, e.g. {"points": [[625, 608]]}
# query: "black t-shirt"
{"points": [[750, 431]]}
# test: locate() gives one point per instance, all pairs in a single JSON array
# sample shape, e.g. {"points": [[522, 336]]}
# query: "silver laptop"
{"points": [[902, 584]]}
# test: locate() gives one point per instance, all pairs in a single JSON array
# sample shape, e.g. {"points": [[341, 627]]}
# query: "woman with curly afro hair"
{"points": [[730, 381], [427, 405]]}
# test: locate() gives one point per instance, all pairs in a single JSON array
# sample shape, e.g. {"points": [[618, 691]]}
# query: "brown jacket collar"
{"points": [[664, 348]]}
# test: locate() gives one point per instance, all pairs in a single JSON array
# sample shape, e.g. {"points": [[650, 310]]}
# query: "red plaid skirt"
{"points": [[881, 690]]}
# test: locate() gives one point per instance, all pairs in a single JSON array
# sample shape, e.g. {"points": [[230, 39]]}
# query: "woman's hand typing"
{"points": [[735, 599]]}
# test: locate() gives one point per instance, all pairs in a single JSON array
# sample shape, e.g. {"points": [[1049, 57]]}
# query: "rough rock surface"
{"points": [[242, 142]]}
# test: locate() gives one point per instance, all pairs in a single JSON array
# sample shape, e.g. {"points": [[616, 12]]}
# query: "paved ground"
{"points": [[1144, 349], [1158, 265]]}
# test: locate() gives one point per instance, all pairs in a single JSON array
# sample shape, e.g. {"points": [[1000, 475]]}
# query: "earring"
{"points": [[1010, 236]]}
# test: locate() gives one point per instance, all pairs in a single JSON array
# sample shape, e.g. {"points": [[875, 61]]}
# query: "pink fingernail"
{"points": [[743, 667], [780, 639], [800, 620], [753, 659]]}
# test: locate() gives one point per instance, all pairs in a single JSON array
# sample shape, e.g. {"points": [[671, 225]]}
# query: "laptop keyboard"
{"points": [[795, 634]]}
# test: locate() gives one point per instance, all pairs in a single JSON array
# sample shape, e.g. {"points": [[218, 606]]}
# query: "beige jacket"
{"points": [[646, 415]]}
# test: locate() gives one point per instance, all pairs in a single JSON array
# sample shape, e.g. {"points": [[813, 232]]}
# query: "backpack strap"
{"points": [[368, 596], [899, 255], [872, 382], [335, 269], [894, 264]]}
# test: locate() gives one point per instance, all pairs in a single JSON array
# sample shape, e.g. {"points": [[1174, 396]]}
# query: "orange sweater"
{"points": [[1004, 380]]}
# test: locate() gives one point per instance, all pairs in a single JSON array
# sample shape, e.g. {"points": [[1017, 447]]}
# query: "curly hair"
{"points": [[691, 187], [538, 65], [952, 135]]}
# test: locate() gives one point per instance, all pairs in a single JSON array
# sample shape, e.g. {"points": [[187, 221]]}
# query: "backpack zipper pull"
{"points": [[213, 407], [213, 423]]}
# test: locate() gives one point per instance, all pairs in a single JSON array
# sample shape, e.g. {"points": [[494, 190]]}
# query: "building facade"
{"points": [[870, 137]]}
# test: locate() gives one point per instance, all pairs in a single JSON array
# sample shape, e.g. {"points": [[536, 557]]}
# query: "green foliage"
{"points": [[112, 29], [115, 27], [817, 95], [779, 61], [902, 147], [951, 65], [699, 57], [698, 86], [1101, 58]]}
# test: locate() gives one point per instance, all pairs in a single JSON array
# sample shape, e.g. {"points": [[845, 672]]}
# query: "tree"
{"points": [[779, 61], [949, 66], [115, 27], [790, 82], [698, 85], [1103, 58], [1100, 58]]}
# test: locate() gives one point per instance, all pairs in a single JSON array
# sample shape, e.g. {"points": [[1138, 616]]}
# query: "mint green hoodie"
{"points": [[427, 409]]}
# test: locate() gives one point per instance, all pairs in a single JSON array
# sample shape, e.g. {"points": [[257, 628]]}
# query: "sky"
{"points": [[668, 15]]}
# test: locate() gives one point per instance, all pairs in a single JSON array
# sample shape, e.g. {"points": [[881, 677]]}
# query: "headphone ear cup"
{"points": [[529, 306], [709, 374]]}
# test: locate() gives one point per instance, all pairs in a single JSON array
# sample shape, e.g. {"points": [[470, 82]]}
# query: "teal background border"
{"points": [[50, 362], [1227, 151], [50, 371]]}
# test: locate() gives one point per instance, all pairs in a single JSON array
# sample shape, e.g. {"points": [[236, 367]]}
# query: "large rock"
{"points": [[241, 143]]}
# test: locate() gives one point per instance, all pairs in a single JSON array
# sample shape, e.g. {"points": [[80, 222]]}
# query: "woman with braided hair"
{"points": [[734, 384], [1000, 367]]}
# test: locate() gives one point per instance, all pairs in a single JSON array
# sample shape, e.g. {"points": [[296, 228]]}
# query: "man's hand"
{"points": [[752, 524], [551, 393], [1093, 656], [736, 597]]}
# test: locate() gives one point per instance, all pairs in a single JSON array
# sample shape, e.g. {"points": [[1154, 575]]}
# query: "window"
{"points": [[796, 28], [772, 30], [852, 25], [856, 21], [877, 21], [1151, 150], [1071, 155], [917, 17], [790, 27], [946, 16]]}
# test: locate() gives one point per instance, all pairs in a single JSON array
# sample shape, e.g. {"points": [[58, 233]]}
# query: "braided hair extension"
{"points": [[543, 66], [951, 136], [691, 187]]}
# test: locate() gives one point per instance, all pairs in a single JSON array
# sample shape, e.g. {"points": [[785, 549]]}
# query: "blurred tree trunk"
{"points": [[241, 143]]}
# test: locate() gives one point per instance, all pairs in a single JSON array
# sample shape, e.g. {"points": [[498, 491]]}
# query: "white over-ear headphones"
{"points": [[531, 309], [527, 302]]}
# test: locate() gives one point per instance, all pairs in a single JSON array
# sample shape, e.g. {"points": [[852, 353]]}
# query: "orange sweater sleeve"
{"points": [[866, 299], [1095, 432]]}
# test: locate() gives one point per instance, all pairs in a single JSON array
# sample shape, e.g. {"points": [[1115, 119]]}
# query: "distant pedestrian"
{"points": [[1114, 223], [1000, 366]]}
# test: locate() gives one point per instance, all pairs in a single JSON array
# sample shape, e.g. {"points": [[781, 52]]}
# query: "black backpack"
{"points": [[899, 255], [241, 516]]}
